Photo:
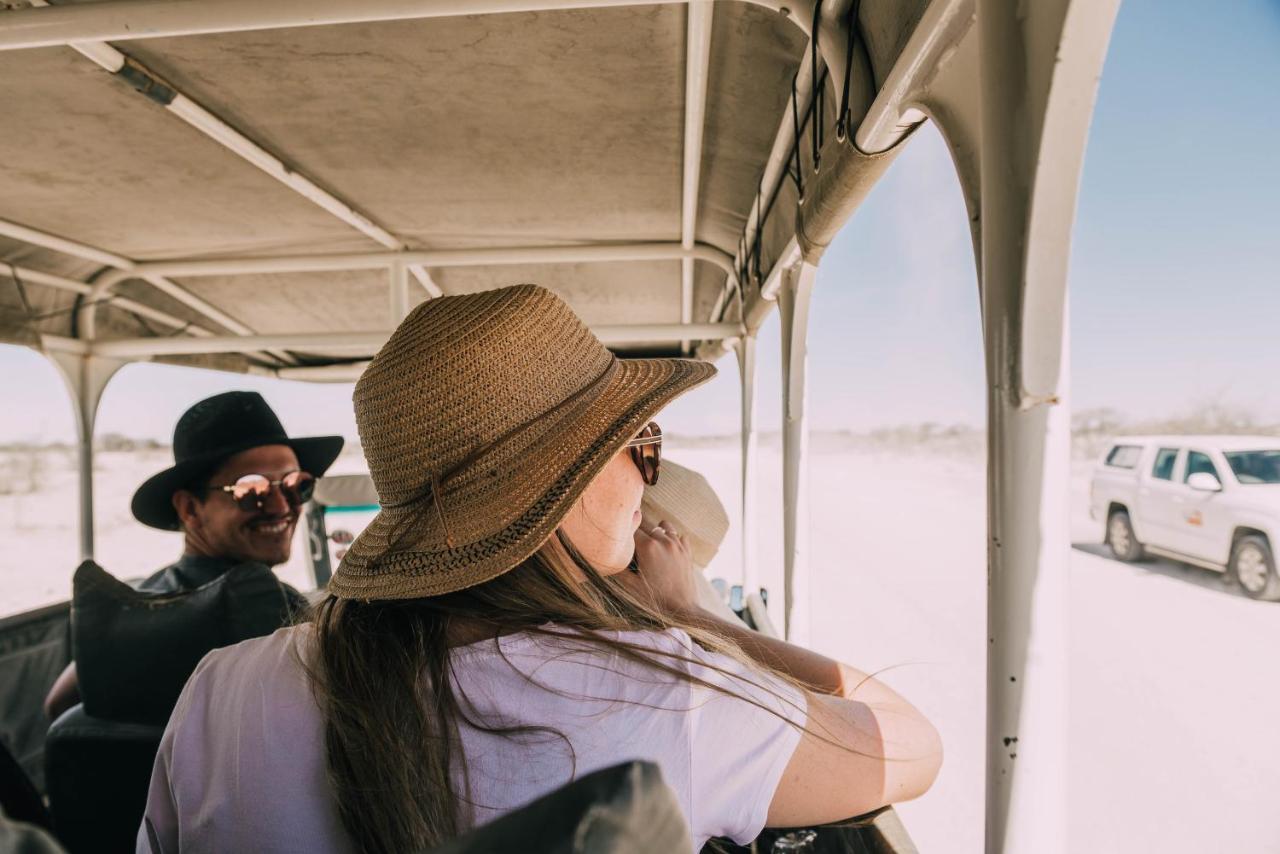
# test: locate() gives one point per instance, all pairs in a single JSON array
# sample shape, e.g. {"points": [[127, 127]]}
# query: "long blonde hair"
{"points": [[380, 672]]}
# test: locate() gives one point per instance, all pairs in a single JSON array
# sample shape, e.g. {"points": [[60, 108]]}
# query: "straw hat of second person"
{"points": [[683, 498]]}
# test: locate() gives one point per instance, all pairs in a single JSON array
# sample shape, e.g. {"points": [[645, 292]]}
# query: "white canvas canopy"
{"points": [[269, 187], [636, 132]]}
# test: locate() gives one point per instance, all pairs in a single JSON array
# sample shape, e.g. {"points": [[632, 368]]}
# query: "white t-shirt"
{"points": [[241, 766]]}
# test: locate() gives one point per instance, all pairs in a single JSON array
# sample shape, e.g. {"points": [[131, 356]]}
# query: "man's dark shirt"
{"points": [[192, 571]]}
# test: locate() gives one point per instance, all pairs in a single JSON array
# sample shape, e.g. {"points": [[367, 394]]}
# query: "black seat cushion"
{"points": [[626, 809], [98, 772], [19, 799], [135, 650]]}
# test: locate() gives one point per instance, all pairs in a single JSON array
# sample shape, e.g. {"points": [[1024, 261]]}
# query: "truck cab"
{"points": [[1211, 501]]}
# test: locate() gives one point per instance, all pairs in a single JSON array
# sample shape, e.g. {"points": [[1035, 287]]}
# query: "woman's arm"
{"points": [[64, 694], [865, 745]]}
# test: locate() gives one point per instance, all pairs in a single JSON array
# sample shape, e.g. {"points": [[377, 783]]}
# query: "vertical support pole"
{"points": [[86, 378], [1038, 68], [697, 61], [745, 348], [686, 298], [793, 309], [399, 291]]}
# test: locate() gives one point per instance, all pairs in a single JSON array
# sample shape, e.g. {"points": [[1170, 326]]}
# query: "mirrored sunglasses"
{"points": [[251, 491], [646, 452]]}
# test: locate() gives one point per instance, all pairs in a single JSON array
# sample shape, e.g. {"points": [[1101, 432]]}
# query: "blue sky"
{"points": [[1175, 274]]}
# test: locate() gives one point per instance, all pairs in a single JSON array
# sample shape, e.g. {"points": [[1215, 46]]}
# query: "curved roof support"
{"points": [[794, 297], [62, 283], [697, 62], [1014, 104], [892, 115], [124, 267], [86, 378], [745, 348]]}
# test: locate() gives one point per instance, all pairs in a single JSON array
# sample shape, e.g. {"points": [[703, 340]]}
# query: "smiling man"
{"points": [[235, 491]]}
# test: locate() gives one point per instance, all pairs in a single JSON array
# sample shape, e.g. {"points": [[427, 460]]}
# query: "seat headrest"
{"points": [[135, 650]]}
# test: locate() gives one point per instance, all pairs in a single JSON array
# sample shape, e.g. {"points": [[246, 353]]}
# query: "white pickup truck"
{"points": [[1212, 501]]}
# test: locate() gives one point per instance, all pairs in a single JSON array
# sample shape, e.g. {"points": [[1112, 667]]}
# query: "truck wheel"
{"points": [[1253, 567], [1124, 545]]}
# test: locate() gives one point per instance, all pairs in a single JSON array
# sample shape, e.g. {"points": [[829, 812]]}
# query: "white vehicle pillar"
{"points": [[793, 310], [399, 291], [86, 378], [745, 348], [1014, 104]]}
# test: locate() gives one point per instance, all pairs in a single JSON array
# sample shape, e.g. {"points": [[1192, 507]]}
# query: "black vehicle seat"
{"points": [[133, 653], [624, 809], [98, 773], [19, 799]]}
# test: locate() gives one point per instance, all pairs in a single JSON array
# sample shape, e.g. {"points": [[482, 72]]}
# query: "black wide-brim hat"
{"points": [[208, 433]]}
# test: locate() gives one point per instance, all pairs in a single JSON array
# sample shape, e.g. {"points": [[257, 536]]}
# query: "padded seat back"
{"points": [[135, 650], [98, 773]]}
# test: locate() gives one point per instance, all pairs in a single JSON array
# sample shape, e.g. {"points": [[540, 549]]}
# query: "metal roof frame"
{"points": [[86, 30]]}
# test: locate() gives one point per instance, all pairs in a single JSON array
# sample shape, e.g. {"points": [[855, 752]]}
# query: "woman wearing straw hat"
{"points": [[482, 642], [684, 501]]}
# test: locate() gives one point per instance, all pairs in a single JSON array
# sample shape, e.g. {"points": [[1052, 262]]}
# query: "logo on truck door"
{"points": [[1195, 518]]}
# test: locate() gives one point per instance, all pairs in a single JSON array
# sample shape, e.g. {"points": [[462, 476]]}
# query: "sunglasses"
{"points": [[646, 452], [251, 491]]}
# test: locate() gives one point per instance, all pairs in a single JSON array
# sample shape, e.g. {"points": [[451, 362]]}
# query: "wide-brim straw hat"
{"points": [[684, 499], [483, 418]]}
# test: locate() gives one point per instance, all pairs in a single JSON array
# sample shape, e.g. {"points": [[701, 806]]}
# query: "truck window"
{"points": [[1124, 456], [1163, 468], [1255, 466], [1198, 462]]}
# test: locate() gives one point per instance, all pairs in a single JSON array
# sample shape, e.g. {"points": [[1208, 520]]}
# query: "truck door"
{"points": [[1204, 524], [1159, 496]]}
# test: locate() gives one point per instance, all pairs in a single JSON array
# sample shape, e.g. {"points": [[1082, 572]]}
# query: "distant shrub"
{"points": [[21, 470]]}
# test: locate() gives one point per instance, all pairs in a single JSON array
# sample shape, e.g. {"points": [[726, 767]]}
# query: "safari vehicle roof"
{"points": [[651, 133]]}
